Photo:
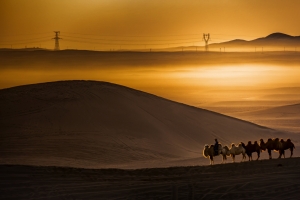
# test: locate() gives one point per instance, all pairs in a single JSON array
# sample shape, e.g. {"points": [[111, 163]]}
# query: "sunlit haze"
{"points": [[185, 83], [133, 99], [157, 47], [133, 24]]}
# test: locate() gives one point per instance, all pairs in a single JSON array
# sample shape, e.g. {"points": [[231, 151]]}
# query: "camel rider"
{"points": [[216, 147]]}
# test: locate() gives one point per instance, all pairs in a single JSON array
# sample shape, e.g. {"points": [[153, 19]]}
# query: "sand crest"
{"points": [[91, 124]]}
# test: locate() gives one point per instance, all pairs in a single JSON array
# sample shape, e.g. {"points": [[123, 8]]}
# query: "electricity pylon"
{"points": [[206, 38], [56, 38]]}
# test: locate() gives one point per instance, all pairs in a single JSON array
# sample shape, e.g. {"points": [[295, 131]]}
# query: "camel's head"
{"points": [[288, 140], [220, 146], [249, 142], [261, 140], [205, 151], [281, 140], [243, 144], [226, 148]]}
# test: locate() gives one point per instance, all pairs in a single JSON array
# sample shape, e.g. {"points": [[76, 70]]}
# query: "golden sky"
{"points": [[135, 24]]}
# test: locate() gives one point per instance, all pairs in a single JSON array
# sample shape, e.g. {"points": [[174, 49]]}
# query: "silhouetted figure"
{"points": [[216, 147]]}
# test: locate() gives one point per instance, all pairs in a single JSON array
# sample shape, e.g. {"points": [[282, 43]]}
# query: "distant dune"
{"points": [[272, 42], [98, 125], [281, 117], [281, 111]]}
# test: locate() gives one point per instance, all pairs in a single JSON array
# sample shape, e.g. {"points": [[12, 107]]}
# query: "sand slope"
{"points": [[96, 124], [267, 179], [281, 117]]}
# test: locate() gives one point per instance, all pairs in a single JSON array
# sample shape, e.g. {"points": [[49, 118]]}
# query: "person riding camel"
{"points": [[216, 147]]}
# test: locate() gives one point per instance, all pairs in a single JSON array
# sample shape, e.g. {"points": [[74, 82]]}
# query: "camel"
{"points": [[225, 152], [272, 144], [287, 145], [250, 148], [237, 150], [209, 152]]}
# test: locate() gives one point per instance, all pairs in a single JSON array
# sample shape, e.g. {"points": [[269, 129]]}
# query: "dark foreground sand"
{"points": [[266, 179]]}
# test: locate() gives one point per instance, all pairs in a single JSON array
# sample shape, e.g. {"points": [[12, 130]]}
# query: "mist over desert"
{"points": [[111, 138], [97, 140], [149, 99]]}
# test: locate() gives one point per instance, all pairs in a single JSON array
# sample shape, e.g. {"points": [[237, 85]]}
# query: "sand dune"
{"points": [[92, 124], [281, 117], [267, 179], [274, 41]]}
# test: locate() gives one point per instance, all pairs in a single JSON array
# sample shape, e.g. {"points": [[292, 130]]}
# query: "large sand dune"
{"points": [[98, 125]]}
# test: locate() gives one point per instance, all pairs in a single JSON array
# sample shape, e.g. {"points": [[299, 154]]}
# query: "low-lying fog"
{"points": [[225, 84]]}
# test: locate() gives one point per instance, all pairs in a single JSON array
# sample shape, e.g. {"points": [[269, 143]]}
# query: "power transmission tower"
{"points": [[56, 38], [206, 38]]}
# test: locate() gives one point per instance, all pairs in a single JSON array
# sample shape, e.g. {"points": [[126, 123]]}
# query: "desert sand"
{"points": [[276, 108], [98, 140], [266, 179], [282, 117], [91, 124]]}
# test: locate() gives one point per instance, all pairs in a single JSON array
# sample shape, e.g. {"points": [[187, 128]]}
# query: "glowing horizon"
{"points": [[131, 24]]}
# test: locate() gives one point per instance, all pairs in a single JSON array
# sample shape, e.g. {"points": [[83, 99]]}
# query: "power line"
{"points": [[131, 35], [154, 36], [206, 38], [110, 43], [12, 35], [126, 40], [25, 40], [56, 38], [133, 40]]}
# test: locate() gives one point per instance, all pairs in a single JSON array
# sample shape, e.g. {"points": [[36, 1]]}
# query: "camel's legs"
{"points": [[250, 156], [269, 152], [225, 158], [280, 153]]}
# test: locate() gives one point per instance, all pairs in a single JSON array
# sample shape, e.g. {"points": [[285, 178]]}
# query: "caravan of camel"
{"points": [[272, 144]]}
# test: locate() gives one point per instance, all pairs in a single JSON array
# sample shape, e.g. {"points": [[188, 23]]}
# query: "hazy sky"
{"points": [[105, 24]]}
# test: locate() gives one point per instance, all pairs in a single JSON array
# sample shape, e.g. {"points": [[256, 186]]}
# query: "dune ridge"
{"points": [[285, 117], [92, 124]]}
